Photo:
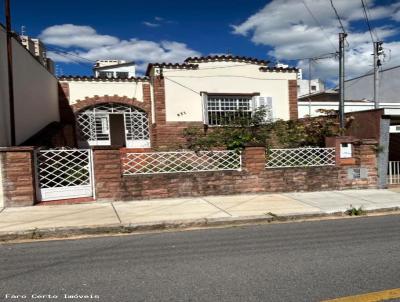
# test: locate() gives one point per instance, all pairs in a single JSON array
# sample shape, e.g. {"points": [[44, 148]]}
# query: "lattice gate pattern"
{"points": [[94, 125], [64, 173], [300, 157], [171, 162]]}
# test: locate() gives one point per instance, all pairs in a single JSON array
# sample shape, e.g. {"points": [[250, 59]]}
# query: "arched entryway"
{"points": [[113, 124]]}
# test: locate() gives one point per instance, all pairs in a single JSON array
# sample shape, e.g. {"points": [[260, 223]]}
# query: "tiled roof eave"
{"points": [[278, 69], [98, 79]]}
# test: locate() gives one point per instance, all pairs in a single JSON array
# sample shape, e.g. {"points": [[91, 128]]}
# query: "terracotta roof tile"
{"points": [[278, 69], [98, 79], [226, 58], [171, 66]]}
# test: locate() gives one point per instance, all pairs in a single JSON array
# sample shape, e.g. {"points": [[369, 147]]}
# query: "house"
{"points": [[151, 112], [114, 68]]}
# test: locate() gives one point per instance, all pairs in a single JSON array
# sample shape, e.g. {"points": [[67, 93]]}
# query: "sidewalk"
{"points": [[190, 211]]}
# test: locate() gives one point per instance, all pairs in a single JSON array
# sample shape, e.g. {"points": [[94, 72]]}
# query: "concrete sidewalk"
{"points": [[217, 208]]}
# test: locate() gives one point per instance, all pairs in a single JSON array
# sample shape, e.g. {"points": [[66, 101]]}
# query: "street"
{"points": [[304, 261]]}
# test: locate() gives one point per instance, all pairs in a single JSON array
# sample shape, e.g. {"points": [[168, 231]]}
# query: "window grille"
{"points": [[93, 123], [227, 110]]}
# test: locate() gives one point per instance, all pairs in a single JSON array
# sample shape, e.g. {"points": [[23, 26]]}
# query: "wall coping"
{"points": [[17, 149]]}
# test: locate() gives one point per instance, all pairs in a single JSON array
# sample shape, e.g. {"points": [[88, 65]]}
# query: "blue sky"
{"points": [[157, 31]]}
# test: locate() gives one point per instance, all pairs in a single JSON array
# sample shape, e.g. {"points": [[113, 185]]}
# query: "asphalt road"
{"points": [[308, 261]]}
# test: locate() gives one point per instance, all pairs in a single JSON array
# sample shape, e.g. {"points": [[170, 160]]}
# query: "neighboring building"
{"points": [[35, 93], [114, 69], [202, 91], [363, 87], [304, 87], [37, 49], [359, 94]]}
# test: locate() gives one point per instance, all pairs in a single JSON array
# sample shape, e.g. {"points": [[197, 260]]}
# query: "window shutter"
{"points": [[266, 102], [204, 99]]}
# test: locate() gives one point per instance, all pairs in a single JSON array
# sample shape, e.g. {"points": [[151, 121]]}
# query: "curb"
{"points": [[113, 229]]}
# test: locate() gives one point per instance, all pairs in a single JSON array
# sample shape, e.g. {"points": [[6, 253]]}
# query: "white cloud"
{"points": [[150, 24], [290, 30], [140, 51], [70, 35]]}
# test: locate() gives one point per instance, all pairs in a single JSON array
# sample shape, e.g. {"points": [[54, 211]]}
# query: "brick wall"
{"points": [[112, 185], [18, 178], [293, 106]]}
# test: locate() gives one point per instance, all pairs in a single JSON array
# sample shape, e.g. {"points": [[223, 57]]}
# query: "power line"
{"points": [[57, 50], [337, 16], [186, 87], [367, 20], [318, 23], [74, 60], [373, 30]]}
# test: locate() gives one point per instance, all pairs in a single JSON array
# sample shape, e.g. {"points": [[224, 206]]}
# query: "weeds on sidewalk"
{"points": [[353, 211]]}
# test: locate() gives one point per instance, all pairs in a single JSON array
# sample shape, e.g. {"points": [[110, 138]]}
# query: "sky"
{"points": [[76, 33]]}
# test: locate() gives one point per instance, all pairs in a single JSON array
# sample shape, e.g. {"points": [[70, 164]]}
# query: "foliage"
{"points": [[353, 211], [256, 130]]}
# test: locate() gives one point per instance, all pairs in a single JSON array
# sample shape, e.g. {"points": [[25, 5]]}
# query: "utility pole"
{"points": [[309, 87], [10, 71], [342, 37], [378, 50]]}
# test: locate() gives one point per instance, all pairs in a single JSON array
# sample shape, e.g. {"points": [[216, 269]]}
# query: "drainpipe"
{"points": [[10, 72]]}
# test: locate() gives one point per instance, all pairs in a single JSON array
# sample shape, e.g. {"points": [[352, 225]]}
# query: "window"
{"points": [[122, 74], [226, 110], [106, 74], [313, 87]]}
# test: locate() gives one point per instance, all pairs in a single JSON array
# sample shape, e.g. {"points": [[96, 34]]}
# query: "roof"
{"points": [[278, 69], [98, 79], [171, 66], [226, 58], [115, 65]]}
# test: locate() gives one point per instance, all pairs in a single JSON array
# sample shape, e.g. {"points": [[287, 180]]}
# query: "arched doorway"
{"points": [[113, 124]]}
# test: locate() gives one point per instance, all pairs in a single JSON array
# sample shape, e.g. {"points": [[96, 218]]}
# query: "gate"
{"points": [[64, 173], [394, 173]]}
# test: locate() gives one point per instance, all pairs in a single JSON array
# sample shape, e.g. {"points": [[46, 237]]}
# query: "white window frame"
{"points": [[216, 107]]}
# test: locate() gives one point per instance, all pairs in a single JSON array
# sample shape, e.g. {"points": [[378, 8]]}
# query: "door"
{"points": [[63, 174], [117, 129]]}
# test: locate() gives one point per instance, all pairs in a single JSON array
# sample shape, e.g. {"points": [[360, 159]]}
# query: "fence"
{"points": [[300, 157], [171, 162], [394, 172]]}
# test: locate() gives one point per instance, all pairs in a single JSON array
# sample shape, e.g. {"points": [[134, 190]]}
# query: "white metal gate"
{"points": [[394, 172], [64, 173]]}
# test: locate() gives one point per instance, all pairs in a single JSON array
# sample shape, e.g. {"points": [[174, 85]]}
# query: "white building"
{"points": [[305, 87], [114, 69]]}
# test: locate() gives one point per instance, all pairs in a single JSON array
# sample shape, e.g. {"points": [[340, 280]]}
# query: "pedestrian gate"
{"points": [[63, 174], [394, 173]]}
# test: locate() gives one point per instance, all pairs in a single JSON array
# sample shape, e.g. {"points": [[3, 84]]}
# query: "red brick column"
{"points": [[107, 173], [335, 141], [253, 159], [17, 165], [293, 106]]}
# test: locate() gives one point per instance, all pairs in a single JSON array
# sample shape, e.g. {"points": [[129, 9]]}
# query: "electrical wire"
{"points": [[337, 16], [57, 50], [319, 24], [367, 20], [184, 86]]}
